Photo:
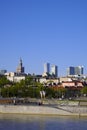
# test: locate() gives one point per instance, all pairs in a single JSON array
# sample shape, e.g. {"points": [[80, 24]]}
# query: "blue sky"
{"points": [[40, 31]]}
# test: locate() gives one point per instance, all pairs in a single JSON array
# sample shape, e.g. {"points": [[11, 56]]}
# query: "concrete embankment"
{"points": [[43, 110]]}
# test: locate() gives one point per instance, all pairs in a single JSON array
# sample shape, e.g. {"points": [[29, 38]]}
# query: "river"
{"points": [[27, 122]]}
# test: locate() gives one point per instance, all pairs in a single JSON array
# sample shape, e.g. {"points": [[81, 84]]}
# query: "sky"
{"points": [[40, 31]]}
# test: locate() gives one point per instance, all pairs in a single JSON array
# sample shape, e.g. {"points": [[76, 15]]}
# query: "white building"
{"points": [[47, 68], [11, 76], [54, 70]]}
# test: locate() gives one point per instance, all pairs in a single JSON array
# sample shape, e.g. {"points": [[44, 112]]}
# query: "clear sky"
{"points": [[40, 31]]}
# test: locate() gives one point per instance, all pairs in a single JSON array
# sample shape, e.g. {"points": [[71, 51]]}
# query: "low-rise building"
{"points": [[72, 84], [14, 77], [65, 79]]}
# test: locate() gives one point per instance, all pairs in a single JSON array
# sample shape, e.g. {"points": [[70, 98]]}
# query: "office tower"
{"points": [[20, 68], [79, 70], [47, 68], [71, 70], [54, 71], [2, 72]]}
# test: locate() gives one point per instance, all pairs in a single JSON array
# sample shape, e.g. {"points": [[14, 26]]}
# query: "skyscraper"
{"points": [[79, 70], [20, 68], [54, 71], [2, 72], [50, 71], [47, 68], [71, 70]]}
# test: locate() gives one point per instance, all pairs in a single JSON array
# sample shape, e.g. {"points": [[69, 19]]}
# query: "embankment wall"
{"points": [[44, 110]]}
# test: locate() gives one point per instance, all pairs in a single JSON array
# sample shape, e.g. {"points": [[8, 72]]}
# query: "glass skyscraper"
{"points": [[47, 68], [54, 71], [79, 70]]}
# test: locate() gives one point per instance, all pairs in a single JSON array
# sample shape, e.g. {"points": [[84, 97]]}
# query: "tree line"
{"points": [[30, 88]]}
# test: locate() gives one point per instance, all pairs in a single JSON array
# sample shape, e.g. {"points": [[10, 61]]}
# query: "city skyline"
{"points": [[50, 31], [49, 69]]}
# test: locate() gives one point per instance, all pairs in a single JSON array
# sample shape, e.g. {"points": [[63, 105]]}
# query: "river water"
{"points": [[27, 122]]}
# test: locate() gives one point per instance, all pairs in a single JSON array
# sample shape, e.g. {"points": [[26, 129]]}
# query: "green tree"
{"points": [[29, 80], [84, 90], [4, 81]]}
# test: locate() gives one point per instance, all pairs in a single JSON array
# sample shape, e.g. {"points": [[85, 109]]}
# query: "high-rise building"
{"points": [[54, 71], [20, 68], [50, 71], [79, 70], [47, 68], [2, 72], [71, 70]]}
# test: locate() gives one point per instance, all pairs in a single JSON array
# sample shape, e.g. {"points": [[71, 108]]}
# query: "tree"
{"points": [[4, 81], [84, 90], [29, 80]]}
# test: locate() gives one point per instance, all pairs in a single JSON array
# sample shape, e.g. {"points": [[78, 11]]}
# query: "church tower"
{"points": [[20, 68]]}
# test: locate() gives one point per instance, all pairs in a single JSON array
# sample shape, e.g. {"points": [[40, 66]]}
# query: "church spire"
{"points": [[20, 62], [20, 68]]}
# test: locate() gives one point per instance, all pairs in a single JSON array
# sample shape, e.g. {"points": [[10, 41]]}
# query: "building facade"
{"points": [[47, 68], [50, 71], [79, 70], [20, 68], [2, 72], [71, 70], [54, 71]]}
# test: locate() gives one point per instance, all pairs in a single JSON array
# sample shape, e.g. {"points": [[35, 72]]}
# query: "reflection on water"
{"points": [[27, 122]]}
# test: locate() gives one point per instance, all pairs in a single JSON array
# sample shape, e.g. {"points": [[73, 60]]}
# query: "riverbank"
{"points": [[44, 110]]}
